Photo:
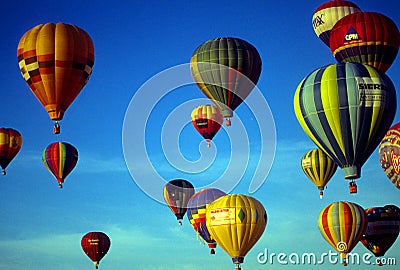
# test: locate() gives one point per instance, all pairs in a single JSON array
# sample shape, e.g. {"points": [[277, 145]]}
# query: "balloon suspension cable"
{"points": [[56, 129], [3, 172], [352, 187], [228, 122]]}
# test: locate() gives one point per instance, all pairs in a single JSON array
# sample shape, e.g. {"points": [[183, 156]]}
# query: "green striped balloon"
{"points": [[226, 70], [346, 109]]}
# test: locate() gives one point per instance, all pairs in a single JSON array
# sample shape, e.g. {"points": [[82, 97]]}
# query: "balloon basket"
{"points": [[353, 187]]}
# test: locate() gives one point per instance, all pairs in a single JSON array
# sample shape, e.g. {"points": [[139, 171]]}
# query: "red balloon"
{"points": [[365, 37], [95, 245], [207, 120]]}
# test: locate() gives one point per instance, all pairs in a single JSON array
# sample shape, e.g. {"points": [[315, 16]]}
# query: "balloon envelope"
{"points": [[346, 109], [207, 120], [342, 224], [60, 159], [318, 167], [196, 212], [226, 71], [10, 144], [327, 14], [389, 154], [95, 245], [56, 61], [236, 222], [177, 194], [366, 37], [382, 230]]}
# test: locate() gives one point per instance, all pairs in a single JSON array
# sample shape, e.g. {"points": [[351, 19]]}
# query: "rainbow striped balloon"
{"points": [[60, 159], [343, 224]]}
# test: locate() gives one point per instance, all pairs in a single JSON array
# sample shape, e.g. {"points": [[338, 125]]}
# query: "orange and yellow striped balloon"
{"points": [[10, 144], [56, 61], [343, 224]]}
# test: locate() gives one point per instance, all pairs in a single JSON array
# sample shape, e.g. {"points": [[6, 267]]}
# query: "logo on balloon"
{"points": [[160, 143], [395, 161], [341, 246]]}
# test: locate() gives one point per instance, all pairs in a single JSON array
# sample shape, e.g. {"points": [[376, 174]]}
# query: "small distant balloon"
{"points": [[177, 194], [207, 120], [318, 167], [95, 245], [60, 159], [10, 144]]}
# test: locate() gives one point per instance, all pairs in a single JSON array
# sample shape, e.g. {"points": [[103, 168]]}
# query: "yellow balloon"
{"points": [[236, 222]]}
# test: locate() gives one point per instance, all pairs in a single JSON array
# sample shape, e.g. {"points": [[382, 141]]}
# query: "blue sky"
{"points": [[41, 226]]}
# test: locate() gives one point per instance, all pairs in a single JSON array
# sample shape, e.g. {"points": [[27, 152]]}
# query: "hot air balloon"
{"points": [[95, 245], [196, 213], [366, 37], [56, 61], [327, 14], [318, 167], [226, 71], [389, 154], [10, 144], [346, 109], [207, 120], [60, 158], [342, 224], [177, 194], [382, 229], [236, 222]]}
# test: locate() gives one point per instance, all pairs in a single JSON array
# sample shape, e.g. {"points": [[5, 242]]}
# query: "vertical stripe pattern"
{"points": [[60, 159], [226, 70], [10, 144], [318, 167], [342, 224], [346, 109]]}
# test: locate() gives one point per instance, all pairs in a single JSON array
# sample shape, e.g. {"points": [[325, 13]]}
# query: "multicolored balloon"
{"points": [[236, 222], [318, 167], [95, 245], [60, 159], [177, 194], [10, 144], [389, 154], [56, 61], [196, 213], [226, 70], [382, 230], [327, 14], [342, 224], [207, 120], [346, 109], [366, 37]]}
